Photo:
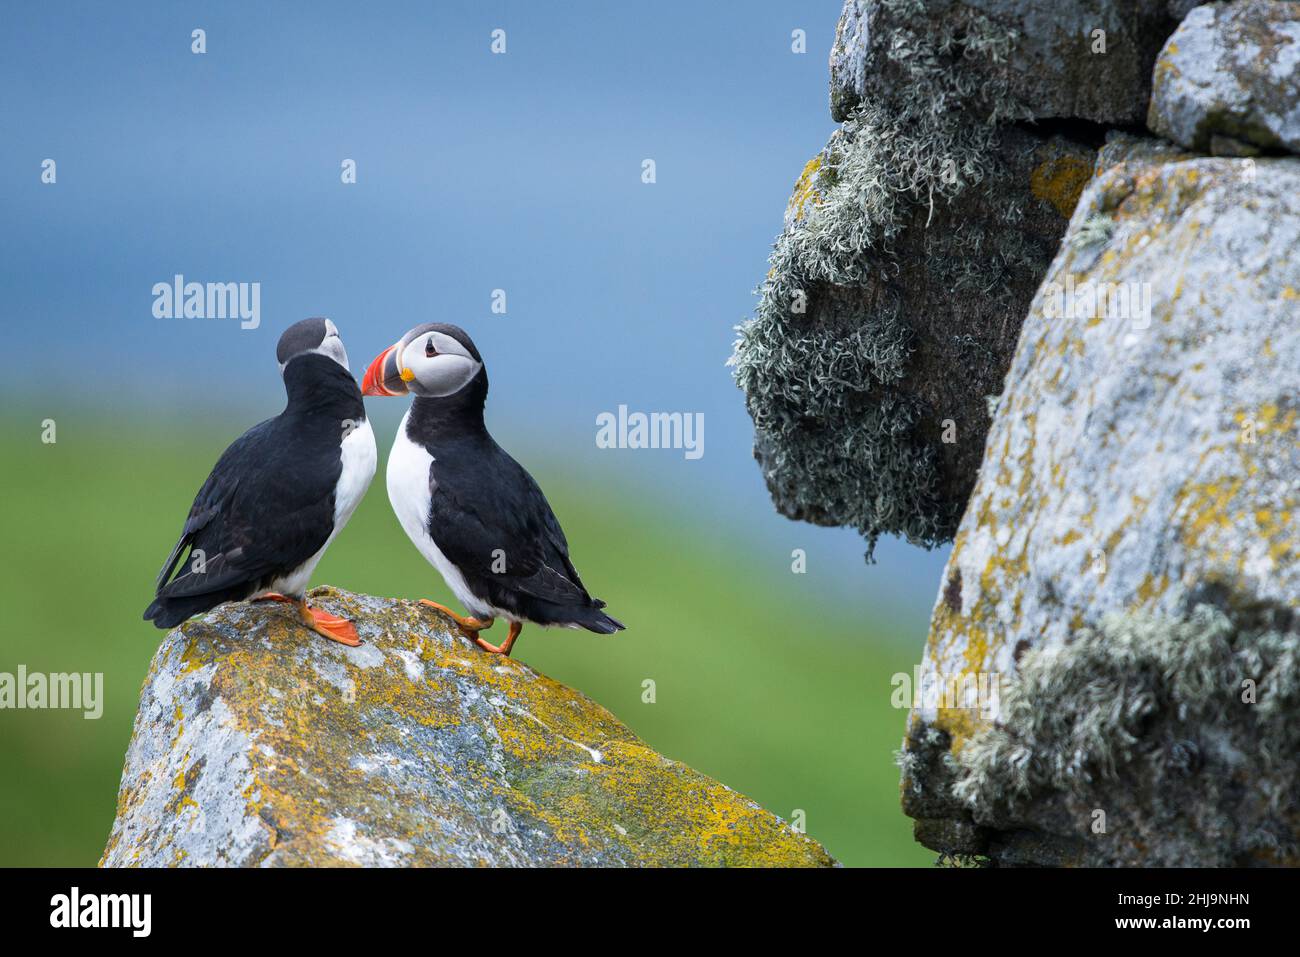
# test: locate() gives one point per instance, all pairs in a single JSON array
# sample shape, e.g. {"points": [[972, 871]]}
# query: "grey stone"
{"points": [[1228, 80], [258, 743], [1127, 572], [912, 246], [867, 366], [1028, 58]]}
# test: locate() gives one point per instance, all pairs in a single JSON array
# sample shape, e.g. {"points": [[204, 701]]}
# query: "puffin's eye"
{"points": [[429, 350]]}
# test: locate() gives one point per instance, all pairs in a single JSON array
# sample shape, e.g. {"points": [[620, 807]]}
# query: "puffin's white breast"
{"points": [[358, 458], [410, 490], [359, 461]]}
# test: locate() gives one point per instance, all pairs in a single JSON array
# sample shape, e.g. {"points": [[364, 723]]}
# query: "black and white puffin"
{"points": [[279, 494], [471, 509]]}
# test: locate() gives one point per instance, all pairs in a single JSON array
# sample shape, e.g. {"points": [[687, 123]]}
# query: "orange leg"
{"points": [[504, 648], [273, 596], [470, 627], [466, 624]]}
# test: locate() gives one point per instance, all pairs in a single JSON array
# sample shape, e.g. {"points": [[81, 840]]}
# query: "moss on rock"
{"points": [[1131, 543], [912, 246], [914, 242], [1181, 728], [890, 312], [259, 743]]}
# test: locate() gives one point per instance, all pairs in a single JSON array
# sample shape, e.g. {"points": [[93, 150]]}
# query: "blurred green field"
{"points": [[759, 683]]}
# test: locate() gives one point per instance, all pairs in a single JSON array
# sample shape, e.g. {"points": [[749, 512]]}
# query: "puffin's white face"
{"points": [[320, 336], [433, 361], [434, 365]]}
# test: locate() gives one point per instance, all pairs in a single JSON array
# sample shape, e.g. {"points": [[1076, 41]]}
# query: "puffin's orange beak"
{"points": [[383, 377]]}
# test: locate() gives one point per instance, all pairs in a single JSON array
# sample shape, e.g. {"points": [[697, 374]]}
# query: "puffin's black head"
{"points": [[434, 360], [311, 336]]}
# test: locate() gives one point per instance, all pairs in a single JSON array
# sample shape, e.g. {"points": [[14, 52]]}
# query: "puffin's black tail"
{"points": [[596, 620], [170, 612]]}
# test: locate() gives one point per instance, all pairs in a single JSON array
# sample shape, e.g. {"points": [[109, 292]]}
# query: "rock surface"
{"points": [[866, 372], [1050, 60], [912, 246], [1228, 81], [1127, 573], [257, 743]]}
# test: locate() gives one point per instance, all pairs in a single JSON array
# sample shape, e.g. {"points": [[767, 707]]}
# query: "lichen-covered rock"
{"points": [[867, 366], [848, 60], [1228, 80], [1084, 59], [258, 743], [912, 246], [1126, 578]]}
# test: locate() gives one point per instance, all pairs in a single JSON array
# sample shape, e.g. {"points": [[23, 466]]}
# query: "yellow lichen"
{"points": [[552, 760], [1060, 181], [805, 189]]}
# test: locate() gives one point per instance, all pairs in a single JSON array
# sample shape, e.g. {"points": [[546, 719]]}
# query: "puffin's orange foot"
{"points": [[468, 625], [329, 626], [505, 646], [272, 596]]}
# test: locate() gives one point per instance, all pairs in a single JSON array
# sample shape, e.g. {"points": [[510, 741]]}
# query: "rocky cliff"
{"points": [[260, 744], [1100, 409], [1127, 567], [914, 242]]}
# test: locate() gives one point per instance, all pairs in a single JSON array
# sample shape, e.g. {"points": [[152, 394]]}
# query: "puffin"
{"points": [[278, 495], [469, 508]]}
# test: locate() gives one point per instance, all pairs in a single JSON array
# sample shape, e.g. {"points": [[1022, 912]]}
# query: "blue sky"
{"points": [[475, 172]]}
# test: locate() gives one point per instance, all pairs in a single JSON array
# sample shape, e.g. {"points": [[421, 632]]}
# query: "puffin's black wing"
{"points": [[263, 511], [502, 535]]}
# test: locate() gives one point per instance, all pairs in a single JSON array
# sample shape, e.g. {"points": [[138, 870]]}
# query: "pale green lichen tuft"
{"points": [[1163, 706], [1093, 231], [838, 445]]}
